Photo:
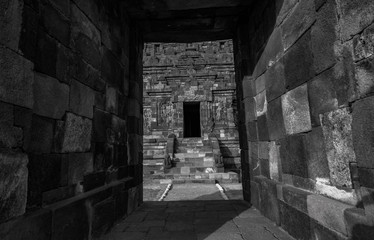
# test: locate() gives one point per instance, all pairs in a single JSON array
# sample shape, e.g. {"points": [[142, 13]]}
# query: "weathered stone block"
{"points": [[85, 37], [363, 44], [57, 25], [112, 71], [102, 122], [82, 99], [45, 174], [13, 184], [10, 136], [298, 61], [133, 108], [29, 33], [337, 131], [248, 87], [16, 79], [355, 16], [73, 134], [46, 54], [358, 224], [10, 23], [250, 109], [275, 81], [296, 115], [51, 97], [252, 133], [324, 36], [261, 104], [298, 22], [296, 223], [293, 156], [328, 212], [363, 130], [263, 129], [274, 161], [79, 165], [86, 74], [317, 158], [63, 63], [111, 103], [41, 135], [103, 219], [62, 5], [365, 77], [276, 124]]}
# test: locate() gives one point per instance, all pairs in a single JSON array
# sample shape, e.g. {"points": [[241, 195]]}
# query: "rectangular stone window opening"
{"points": [[191, 120]]}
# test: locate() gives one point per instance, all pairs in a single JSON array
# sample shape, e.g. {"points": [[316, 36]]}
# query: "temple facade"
{"points": [[189, 94]]}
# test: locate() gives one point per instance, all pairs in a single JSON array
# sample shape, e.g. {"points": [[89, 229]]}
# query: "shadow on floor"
{"points": [[196, 220]]}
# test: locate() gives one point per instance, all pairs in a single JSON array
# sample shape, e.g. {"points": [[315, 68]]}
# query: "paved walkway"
{"points": [[196, 220], [206, 216]]}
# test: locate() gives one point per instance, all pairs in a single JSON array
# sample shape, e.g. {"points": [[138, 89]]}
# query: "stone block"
{"points": [[133, 108], [71, 222], [111, 103], [62, 5], [362, 130], [268, 199], [63, 63], [248, 87], [41, 135], [46, 54], [112, 70], [46, 172], [250, 109], [260, 84], [10, 23], [103, 218], [274, 161], [274, 48], [252, 133], [296, 115], [16, 79], [56, 24], [358, 224], [10, 136], [328, 212], [86, 74], [79, 165], [82, 99], [276, 124], [13, 182], [293, 156], [29, 33], [296, 198], [85, 37], [324, 35], [263, 129], [366, 177], [298, 61], [73, 134], [275, 81], [355, 16], [317, 158], [337, 131], [51, 97], [296, 223], [261, 103], [363, 44], [364, 77], [301, 18], [101, 122]]}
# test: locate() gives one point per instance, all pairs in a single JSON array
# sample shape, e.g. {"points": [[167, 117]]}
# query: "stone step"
{"points": [[195, 164], [190, 170], [230, 177], [189, 155]]}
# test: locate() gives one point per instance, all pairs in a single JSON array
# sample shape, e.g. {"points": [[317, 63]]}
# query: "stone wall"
{"points": [[70, 113], [304, 73], [176, 73]]}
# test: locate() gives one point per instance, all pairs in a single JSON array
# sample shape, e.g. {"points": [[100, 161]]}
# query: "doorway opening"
{"points": [[191, 119]]}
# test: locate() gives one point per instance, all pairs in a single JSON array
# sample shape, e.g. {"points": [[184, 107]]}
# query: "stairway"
{"points": [[194, 162], [154, 150]]}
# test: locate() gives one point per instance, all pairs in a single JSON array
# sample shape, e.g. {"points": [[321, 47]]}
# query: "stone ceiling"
{"points": [[186, 20]]}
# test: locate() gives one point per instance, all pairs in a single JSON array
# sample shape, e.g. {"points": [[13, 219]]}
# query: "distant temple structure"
{"points": [[190, 97]]}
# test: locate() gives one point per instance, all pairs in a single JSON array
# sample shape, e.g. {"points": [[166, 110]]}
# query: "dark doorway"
{"points": [[191, 119]]}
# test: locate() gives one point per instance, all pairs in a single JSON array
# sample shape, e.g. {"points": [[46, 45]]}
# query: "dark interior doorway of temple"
{"points": [[191, 119]]}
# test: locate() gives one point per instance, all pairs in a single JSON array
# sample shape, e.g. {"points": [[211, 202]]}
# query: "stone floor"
{"points": [[205, 217]]}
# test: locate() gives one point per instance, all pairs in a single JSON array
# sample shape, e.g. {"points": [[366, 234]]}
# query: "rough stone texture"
{"points": [[296, 115], [41, 135], [79, 165], [355, 16], [73, 134], [317, 160], [275, 81], [365, 77], [362, 130], [111, 103], [276, 124], [10, 136], [10, 22], [274, 161], [329, 213], [297, 62], [363, 44], [337, 131], [324, 34], [16, 79], [51, 97], [261, 104], [300, 20], [82, 99], [250, 109], [13, 184]]}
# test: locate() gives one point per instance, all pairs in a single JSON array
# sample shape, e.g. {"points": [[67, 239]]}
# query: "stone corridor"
{"points": [[286, 96]]}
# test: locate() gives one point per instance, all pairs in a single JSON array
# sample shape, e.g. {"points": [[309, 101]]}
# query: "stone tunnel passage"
{"points": [[71, 112]]}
